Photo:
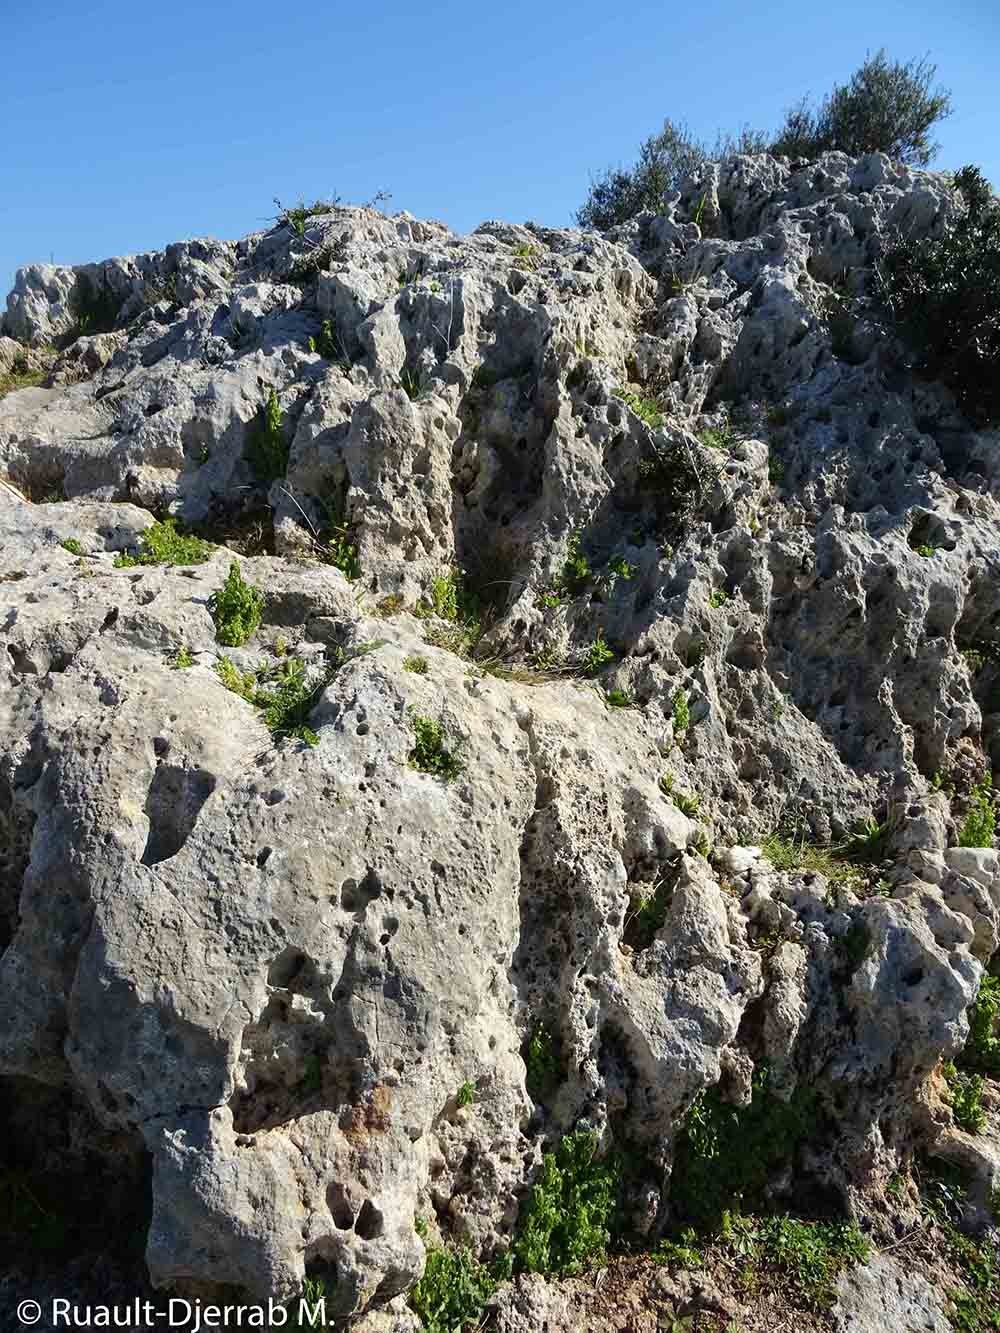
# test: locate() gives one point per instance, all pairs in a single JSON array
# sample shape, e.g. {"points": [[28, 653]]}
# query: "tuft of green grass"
{"points": [[236, 609], [163, 544], [297, 215], [687, 804], [648, 909], [72, 545], [434, 751], [21, 376], [646, 409], [542, 1063], [416, 664], [183, 659], [466, 1094], [266, 449], [681, 714], [566, 1222], [618, 699], [411, 384], [717, 597], [329, 345], [980, 824], [527, 256], [284, 694], [965, 1093], [926, 550], [453, 1291], [598, 655], [788, 853]]}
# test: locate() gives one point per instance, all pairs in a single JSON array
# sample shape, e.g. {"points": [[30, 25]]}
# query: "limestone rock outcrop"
{"points": [[270, 966]]}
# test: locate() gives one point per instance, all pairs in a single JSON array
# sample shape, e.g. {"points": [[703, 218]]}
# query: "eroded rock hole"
{"points": [[173, 805]]}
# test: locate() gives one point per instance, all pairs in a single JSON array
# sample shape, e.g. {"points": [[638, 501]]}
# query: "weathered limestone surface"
{"points": [[270, 966]]}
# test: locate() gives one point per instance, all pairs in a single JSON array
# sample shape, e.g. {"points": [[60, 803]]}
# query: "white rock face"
{"points": [[271, 967]]}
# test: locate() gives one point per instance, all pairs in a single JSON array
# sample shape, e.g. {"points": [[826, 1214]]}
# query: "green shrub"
{"points": [[162, 544], [965, 1092], [982, 1049], [93, 306], [183, 659], [433, 751], [622, 568], [329, 345], [717, 597], [296, 216], [944, 293], [416, 664], [72, 545], [980, 824], [236, 609], [266, 447], [542, 1063], [887, 107], [576, 571], [725, 1155], [466, 1094], [453, 1291], [663, 162], [566, 1220], [598, 655]]}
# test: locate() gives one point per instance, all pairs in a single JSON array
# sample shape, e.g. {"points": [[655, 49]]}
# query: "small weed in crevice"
{"points": [[266, 448], [681, 713], [542, 1063], [434, 751], [466, 1094], [598, 655], [183, 658], [236, 609], [71, 545], [982, 1048], [648, 907], [163, 544], [646, 409], [618, 699], [416, 664]]}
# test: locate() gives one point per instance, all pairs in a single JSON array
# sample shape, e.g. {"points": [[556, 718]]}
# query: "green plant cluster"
{"points": [[598, 655], [646, 409], [93, 306], [329, 345], [283, 694], [542, 1063], [944, 293], [980, 824], [567, 1218], [975, 1307], [163, 544], [965, 1093], [297, 215], [266, 447], [236, 609], [434, 751], [725, 1155], [982, 1049], [20, 376], [687, 804], [648, 910], [71, 545], [452, 1291], [806, 1257]]}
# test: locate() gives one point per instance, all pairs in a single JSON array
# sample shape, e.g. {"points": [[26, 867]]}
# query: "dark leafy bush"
{"points": [[945, 296], [886, 107], [93, 305], [453, 1291]]}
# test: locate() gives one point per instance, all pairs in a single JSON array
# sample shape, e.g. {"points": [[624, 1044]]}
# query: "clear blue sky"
{"points": [[128, 125]]}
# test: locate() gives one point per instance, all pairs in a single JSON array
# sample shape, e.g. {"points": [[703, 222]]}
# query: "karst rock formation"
{"points": [[249, 972]]}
